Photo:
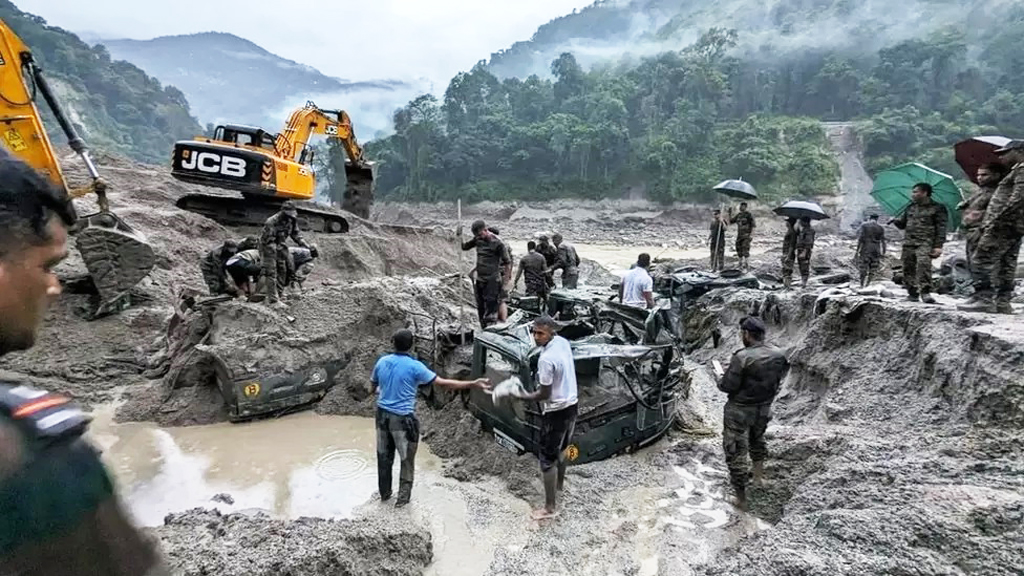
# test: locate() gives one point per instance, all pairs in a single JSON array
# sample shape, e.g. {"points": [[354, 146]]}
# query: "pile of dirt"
{"points": [[200, 542], [896, 448]]}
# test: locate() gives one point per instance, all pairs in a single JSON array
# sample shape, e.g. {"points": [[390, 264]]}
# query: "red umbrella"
{"points": [[973, 152]]}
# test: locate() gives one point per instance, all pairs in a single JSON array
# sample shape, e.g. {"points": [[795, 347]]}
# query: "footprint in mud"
{"points": [[702, 501]]}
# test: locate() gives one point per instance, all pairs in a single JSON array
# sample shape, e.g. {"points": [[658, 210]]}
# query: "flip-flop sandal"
{"points": [[543, 514]]}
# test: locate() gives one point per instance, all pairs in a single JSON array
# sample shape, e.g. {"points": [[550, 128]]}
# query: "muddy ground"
{"points": [[895, 448]]}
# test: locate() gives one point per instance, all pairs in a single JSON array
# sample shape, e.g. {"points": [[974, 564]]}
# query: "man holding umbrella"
{"points": [[973, 209], [745, 225], [925, 224], [995, 256]]}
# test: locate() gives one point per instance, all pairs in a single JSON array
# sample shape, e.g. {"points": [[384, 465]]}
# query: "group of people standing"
{"points": [[745, 225]]}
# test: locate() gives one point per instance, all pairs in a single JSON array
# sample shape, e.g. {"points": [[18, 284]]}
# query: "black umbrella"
{"points": [[800, 209], [736, 189]]}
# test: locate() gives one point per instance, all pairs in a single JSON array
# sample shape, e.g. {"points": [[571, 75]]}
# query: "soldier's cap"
{"points": [[752, 325], [1011, 145], [289, 208]]}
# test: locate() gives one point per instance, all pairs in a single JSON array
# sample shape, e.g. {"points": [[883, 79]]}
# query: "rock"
{"points": [[224, 498]]}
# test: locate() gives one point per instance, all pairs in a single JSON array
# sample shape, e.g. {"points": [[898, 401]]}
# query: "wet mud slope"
{"points": [[896, 442], [200, 542]]}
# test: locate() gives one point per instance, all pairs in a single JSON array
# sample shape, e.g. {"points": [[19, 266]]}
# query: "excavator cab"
{"points": [[244, 136], [116, 256]]}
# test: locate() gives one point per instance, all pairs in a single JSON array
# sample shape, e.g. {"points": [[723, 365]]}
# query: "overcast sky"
{"points": [[350, 39]]}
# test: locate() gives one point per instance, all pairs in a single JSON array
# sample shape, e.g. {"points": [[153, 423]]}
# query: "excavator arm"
{"points": [[116, 256], [310, 120]]}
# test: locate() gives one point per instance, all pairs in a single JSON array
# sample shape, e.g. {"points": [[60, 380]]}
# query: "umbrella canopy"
{"points": [[973, 152], [800, 209], [892, 190], [736, 189]]}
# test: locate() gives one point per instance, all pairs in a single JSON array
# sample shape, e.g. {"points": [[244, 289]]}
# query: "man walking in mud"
{"points": [[752, 381], [804, 246], [492, 267], [567, 261], [788, 252], [716, 241], [557, 394], [213, 267], [994, 262], [60, 514], [534, 267], [870, 250], [925, 224], [396, 378], [273, 250], [745, 225]]}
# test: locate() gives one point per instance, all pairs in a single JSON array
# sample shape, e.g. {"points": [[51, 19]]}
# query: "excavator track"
{"points": [[253, 210]]}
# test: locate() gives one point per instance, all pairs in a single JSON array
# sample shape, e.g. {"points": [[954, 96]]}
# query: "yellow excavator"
{"points": [[270, 169], [116, 256]]}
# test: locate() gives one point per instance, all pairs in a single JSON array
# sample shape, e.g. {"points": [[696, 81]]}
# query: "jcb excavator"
{"points": [[270, 169], [116, 256]]}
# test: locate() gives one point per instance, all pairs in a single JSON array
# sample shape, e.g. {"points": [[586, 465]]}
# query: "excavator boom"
{"points": [[116, 256]]}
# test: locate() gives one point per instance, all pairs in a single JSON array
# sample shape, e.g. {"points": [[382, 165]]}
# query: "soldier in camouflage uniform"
{"points": [[788, 252], [545, 249], [804, 245], [752, 381], [925, 224], [974, 208], [716, 241], [59, 512], [994, 262], [870, 249], [567, 261], [273, 251], [745, 225], [212, 267]]}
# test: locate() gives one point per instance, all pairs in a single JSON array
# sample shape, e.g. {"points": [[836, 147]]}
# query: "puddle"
{"points": [[299, 465]]}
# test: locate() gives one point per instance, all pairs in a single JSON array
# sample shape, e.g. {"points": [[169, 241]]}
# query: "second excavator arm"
{"points": [[311, 120]]}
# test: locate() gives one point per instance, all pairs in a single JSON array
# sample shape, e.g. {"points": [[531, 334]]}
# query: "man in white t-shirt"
{"points": [[637, 287], [556, 392]]}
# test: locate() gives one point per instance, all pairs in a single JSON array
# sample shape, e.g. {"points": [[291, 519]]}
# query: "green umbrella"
{"points": [[892, 190]]}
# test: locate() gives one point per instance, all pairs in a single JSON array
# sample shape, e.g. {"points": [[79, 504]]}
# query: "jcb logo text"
{"points": [[214, 163]]}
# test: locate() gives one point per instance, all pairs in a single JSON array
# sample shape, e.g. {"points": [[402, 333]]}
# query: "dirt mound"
{"points": [[200, 542], [897, 444]]}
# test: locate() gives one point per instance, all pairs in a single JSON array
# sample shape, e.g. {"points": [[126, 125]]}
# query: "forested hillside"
{"points": [[674, 123], [115, 104]]}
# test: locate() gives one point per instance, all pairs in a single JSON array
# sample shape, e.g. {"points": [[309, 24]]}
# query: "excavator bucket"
{"points": [[359, 188], [116, 255]]}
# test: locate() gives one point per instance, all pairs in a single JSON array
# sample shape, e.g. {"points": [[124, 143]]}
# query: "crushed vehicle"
{"points": [[628, 391]]}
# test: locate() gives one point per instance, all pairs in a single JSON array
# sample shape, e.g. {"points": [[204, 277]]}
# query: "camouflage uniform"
{"points": [[994, 261], [752, 381], [567, 261], [974, 209], [716, 241], [212, 267], [550, 254], [744, 230], [870, 247], [274, 253], [788, 252], [925, 223], [302, 265], [804, 245], [60, 514]]}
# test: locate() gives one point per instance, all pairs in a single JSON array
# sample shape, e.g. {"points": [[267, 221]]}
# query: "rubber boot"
{"points": [[758, 473], [981, 301], [404, 493], [740, 497], [926, 297]]}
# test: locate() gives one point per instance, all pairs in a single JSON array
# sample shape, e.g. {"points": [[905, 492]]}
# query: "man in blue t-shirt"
{"points": [[398, 376]]}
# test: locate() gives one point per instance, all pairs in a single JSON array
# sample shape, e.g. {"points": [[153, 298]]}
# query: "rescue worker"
{"points": [[273, 251], [59, 513], [567, 261], [505, 278], [804, 245], [788, 252], [245, 269], [973, 208], [212, 267], [301, 265], [534, 267], [637, 286], [870, 249], [397, 377], [925, 224], [492, 265], [752, 381], [716, 241], [248, 243], [558, 396], [745, 225], [994, 262]]}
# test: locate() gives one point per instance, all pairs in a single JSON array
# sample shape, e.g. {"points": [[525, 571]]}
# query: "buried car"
{"points": [[627, 392]]}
